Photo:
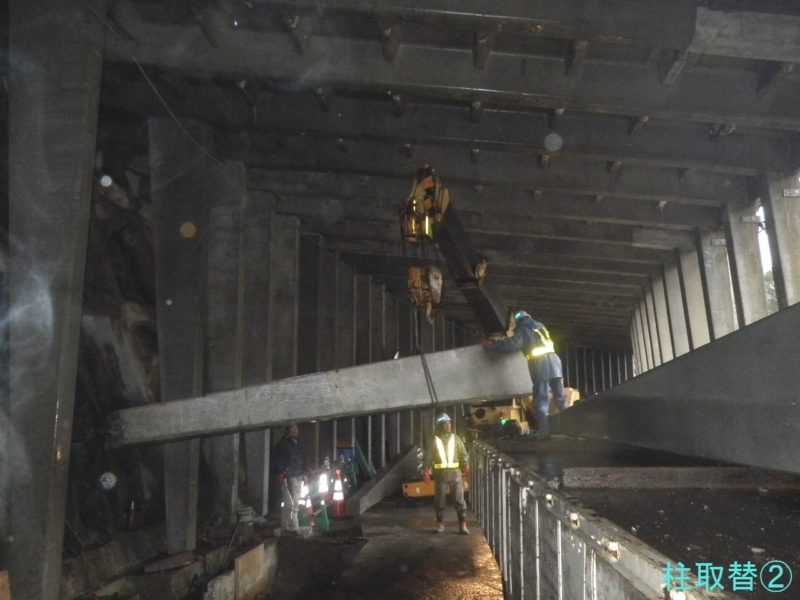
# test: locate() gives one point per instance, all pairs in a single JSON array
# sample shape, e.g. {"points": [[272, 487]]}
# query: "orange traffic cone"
{"points": [[338, 509]]}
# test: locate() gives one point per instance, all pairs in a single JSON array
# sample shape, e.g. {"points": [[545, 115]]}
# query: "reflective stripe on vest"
{"points": [[547, 344], [446, 461]]}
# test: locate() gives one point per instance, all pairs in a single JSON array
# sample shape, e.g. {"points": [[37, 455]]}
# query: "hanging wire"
{"points": [[149, 81]]}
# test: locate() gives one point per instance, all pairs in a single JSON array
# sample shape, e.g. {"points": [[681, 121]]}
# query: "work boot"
{"points": [[462, 528], [439, 527]]}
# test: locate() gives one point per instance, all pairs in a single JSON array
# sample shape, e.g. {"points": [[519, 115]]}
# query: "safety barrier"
{"points": [[549, 547]]}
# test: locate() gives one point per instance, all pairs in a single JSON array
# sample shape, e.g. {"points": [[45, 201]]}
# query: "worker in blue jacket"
{"points": [[533, 340]]}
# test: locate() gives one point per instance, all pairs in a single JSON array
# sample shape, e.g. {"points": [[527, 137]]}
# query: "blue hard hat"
{"points": [[521, 314], [442, 418]]}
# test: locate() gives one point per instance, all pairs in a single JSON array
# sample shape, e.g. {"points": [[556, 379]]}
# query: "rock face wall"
{"points": [[118, 367]]}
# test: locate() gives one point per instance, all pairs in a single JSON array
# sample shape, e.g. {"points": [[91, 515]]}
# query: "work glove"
{"points": [[466, 471], [426, 476], [486, 342], [280, 479]]}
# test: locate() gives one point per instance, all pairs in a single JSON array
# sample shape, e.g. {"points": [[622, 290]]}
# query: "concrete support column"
{"points": [[693, 296], [284, 307], [780, 196], [254, 280], [308, 335], [652, 326], [662, 319], [741, 233], [363, 287], [179, 174], [678, 327], [345, 342], [716, 278], [308, 305], [326, 342], [635, 342], [225, 326], [283, 296], [647, 348], [55, 61]]}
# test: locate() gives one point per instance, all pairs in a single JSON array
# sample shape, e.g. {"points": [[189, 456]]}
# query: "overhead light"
{"points": [[106, 181]]}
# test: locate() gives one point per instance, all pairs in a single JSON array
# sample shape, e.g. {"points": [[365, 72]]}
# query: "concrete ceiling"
{"points": [[663, 111]]}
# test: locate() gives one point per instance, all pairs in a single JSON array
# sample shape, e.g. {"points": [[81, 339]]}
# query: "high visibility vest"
{"points": [[446, 460], [545, 348]]}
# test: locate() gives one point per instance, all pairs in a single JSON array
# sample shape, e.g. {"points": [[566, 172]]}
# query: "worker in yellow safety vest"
{"points": [[446, 458], [533, 340]]}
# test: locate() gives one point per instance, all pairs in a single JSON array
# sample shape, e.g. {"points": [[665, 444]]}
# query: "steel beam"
{"points": [[460, 375], [54, 70], [708, 403], [482, 295], [703, 95]]}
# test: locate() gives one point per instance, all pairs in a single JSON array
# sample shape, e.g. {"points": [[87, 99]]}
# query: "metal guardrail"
{"points": [[549, 547]]}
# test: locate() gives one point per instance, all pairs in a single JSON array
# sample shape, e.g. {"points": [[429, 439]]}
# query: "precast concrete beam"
{"points": [[707, 403], [720, 96], [677, 314], [564, 176], [459, 376], [646, 22], [662, 319], [693, 296]]}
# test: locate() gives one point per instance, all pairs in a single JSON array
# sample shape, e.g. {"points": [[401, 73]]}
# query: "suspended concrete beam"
{"points": [[720, 96], [460, 375], [55, 62], [708, 403]]}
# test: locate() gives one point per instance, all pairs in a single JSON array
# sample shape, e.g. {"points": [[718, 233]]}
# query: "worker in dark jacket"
{"points": [[290, 470], [446, 458], [533, 340]]}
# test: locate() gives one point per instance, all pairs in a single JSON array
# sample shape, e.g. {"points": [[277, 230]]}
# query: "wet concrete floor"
{"points": [[400, 556]]}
